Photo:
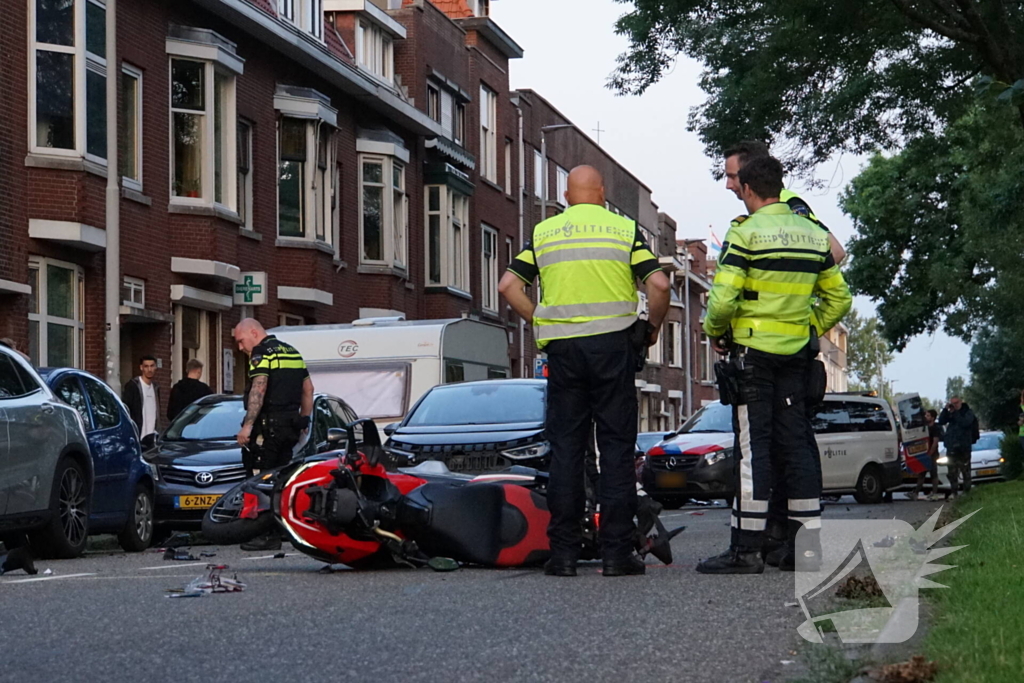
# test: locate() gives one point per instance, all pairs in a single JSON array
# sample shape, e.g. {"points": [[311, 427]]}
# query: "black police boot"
{"points": [[629, 566], [18, 558], [807, 561], [268, 541], [774, 548], [558, 566], [733, 561]]}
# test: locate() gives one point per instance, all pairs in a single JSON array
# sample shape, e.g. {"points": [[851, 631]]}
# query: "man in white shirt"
{"points": [[141, 395]]}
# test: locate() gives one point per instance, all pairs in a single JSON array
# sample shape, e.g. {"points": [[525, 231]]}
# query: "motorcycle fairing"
{"points": [[486, 523]]}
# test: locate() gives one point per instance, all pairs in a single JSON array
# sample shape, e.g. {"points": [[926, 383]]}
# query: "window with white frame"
{"points": [[129, 159], [56, 325], [655, 352], [384, 211], [561, 185], [203, 123], [375, 51], [68, 76], [289, 320], [538, 174], [480, 8], [243, 167], [508, 166], [489, 269], [133, 292], [445, 108], [286, 9], [707, 362], [306, 188], [488, 134], [447, 213], [673, 344], [306, 14]]}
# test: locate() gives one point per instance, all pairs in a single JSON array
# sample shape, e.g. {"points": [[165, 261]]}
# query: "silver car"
{"points": [[46, 472]]}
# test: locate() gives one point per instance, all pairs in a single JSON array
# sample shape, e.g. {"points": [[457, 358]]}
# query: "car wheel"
{"points": [[223, 524], [869, 486], [138, 530], [65, 535]]}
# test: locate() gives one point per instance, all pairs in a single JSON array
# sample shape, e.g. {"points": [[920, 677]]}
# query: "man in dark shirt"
{"points": [[934, 439], [188, 389]]}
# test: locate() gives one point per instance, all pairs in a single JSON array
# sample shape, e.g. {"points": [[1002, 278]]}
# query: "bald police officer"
{"points": [[588, 260]]}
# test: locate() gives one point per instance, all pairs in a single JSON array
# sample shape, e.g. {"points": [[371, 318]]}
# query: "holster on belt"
{"points": [[639, 333], [727, 375], [817, 377]]}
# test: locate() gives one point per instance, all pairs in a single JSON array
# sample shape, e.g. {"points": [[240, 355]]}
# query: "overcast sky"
{"points": [[570, 50]]}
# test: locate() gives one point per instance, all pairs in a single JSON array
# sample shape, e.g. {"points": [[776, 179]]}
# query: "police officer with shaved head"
{"points": [[589, 260], [777, 287]]}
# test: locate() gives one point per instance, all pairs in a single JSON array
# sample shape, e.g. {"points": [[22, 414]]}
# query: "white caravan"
{"points": [[382, 366]]}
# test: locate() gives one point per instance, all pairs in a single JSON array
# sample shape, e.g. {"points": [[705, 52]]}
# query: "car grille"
{"points": [[673, 463], [227, 475], [467, 458]]}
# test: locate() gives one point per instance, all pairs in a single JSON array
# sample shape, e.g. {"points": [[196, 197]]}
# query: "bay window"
{"points": [[204, 160], [375, 51], [68, 72], [56, 327], [447, 238], [307, 178], [383, 211], [306, 14]]}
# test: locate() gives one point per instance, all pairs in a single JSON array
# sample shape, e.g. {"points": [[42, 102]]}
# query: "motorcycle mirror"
{"points": [[336, 435]]}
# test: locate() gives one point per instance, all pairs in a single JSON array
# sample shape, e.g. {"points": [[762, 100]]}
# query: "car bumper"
{"points": [[704, 482], [168, 504]]}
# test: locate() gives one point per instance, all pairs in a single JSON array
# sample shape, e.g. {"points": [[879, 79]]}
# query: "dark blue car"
{"points": [[123, 483]]}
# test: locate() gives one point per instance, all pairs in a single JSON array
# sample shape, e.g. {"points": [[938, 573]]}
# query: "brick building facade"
{"points": [[337, 158]]}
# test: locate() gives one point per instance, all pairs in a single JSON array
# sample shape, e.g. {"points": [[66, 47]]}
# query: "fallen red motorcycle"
{"points": [[359, 507]]}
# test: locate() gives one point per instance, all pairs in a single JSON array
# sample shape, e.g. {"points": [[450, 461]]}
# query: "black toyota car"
{"points": [[198, 459], [476, 427]]}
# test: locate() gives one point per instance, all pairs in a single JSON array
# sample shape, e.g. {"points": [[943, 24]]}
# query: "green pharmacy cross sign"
{"points": [[251, 291]]}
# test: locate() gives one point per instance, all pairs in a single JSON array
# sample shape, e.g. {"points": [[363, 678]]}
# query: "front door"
{"points": [[111, 440]]}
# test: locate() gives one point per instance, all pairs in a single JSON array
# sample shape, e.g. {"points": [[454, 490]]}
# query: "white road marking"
{"points": [[49, 578], [269, 557]]}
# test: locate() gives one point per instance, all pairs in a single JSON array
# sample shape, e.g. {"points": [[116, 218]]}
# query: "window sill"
{"points": [[493, 315], [65, 163], [445, 289], [136, 196], [249, 233], [299, 243], [203, 210], [369, 269], [492, 184]]}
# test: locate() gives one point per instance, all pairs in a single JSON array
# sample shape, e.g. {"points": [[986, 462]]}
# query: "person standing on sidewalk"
{"points": [[278, 404], [141, 396], [190, 388], [588, 260], [961, 426]]}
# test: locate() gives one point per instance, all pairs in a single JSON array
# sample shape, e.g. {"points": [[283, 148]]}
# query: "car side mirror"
{"points": [[668, 435], [336, 436], [148, 441], [391, 428]]}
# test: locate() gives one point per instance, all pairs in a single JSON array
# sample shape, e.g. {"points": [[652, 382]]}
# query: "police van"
{"points": [[860, 443]]}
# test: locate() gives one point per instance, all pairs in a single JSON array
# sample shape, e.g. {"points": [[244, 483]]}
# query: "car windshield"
{"points": [[478, 404], [646, 442], [987, 442], [207, 422], [713, 417]]}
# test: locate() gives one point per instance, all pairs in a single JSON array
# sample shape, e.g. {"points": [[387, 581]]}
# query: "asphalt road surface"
{"points": [[105, 617]]}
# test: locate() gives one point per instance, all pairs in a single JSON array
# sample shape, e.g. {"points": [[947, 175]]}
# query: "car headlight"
{"points": [[717, 456], [534, 450], [942, 461]]}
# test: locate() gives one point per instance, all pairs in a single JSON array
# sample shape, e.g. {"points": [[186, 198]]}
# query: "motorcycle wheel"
{"points": [[223, 525]]}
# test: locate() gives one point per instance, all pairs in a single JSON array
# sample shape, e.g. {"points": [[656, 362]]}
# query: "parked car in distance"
{"points": [[858, 443], [124, 483], [647, 440], [46, 472], [198, 458], [476, 427]]}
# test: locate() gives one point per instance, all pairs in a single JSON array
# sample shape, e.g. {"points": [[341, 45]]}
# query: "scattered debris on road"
{"points": [[179, 554], [213, 582]]}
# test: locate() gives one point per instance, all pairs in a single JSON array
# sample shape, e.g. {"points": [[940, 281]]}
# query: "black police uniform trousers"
{"points": [[773, 432], [591, 383], [778, 505], [280, 433]]}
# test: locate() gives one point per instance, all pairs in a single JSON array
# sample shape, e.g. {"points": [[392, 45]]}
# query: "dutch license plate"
{"points": [[987, 473], [670, 480], [195, 502]]}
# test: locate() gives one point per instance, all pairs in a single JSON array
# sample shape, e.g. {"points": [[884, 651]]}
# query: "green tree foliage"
{"points": [[867, 352], [955, 386], [844, 75], [940, 229], [997, 377]]}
